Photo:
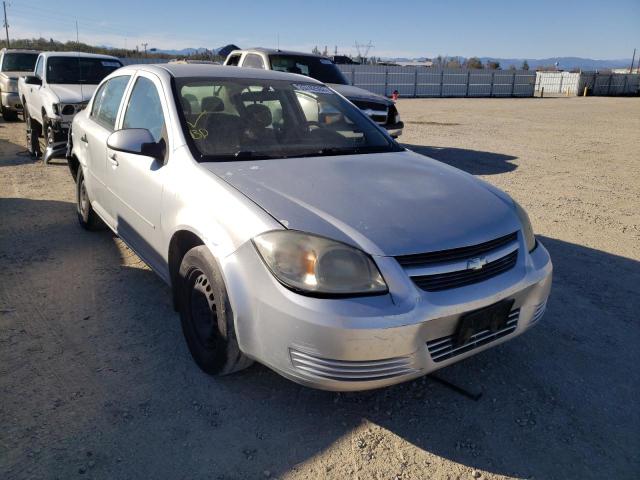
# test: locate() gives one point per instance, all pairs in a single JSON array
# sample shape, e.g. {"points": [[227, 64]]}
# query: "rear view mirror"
{"points": [[32, 80], [138, 141]]}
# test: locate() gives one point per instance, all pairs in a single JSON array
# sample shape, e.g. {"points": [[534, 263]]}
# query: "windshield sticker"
{"points": [[326, 61], [109, 63], [310, 87]]}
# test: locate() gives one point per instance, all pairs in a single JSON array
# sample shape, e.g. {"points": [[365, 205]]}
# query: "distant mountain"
{"points": [[184, 52], [564, 63]]}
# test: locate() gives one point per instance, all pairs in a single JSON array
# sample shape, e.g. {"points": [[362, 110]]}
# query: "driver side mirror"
{"points": [[138, 141], [32, 80]]}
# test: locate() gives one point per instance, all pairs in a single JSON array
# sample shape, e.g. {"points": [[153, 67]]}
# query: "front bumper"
{"points": [[394, 129], [370, 342], [11, 101]]}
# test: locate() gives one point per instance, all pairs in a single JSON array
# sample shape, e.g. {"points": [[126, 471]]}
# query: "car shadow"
{"points": [[471, 161], [97, 366]]}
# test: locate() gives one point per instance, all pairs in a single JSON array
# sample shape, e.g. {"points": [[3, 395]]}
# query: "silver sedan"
{"points": [[295, 232]]}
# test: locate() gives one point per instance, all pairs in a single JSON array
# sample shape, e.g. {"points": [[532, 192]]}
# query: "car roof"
{"points": [[203, 70], [275, 51], [79, 55], [19, 50]]}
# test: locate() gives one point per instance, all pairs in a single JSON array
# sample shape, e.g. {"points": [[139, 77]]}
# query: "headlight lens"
{"points": [[317, 265], [12, 86], [527, 229]]}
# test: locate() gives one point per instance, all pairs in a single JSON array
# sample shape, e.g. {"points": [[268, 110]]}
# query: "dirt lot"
{"points": [[96, 381]]}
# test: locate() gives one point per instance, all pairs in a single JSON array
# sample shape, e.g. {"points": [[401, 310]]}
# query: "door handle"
{"points": [[113, 159], [83, 138]]}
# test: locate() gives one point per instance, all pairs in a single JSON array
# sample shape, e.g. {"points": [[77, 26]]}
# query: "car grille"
{"points": [[351, 371], [443, 348], [377, 111], [446, 269]]}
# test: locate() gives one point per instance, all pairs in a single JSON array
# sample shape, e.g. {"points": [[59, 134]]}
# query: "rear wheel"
{"points": [[206, 316], [33, 130], [87, 217]]}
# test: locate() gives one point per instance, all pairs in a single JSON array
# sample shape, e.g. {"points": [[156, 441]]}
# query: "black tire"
{"points": [[87, 217], [206, 316], [33, 130], [9, 115]]}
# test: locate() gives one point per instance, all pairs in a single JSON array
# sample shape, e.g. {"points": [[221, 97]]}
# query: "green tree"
{"points": [[473, 62], [493, 65], [525, 65]]}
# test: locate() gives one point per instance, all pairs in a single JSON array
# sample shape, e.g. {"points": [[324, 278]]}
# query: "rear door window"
{"points": [[253, 61], [107, 101]]}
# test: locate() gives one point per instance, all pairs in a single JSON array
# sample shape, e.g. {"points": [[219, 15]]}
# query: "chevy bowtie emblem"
{"points": [[476, 263]]}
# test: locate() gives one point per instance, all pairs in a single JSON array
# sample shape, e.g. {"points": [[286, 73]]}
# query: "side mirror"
{"points": [[138, 141], [32, 80]]}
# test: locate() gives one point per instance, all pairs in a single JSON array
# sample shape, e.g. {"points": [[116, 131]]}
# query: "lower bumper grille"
{"points": [[443, 348], [351, 371], [539, 312]]}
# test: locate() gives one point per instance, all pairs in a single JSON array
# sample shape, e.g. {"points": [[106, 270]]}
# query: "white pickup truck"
{"points": [[61, 85], [381, 110], [13, 63]]}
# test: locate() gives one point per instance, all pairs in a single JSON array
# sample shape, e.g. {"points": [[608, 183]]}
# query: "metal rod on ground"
{"points": [[6, 24], [542, 92], [473, 396]]}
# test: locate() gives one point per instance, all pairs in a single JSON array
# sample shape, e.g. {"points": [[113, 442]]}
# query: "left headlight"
{"points": [[317, 265], [527, 229]]}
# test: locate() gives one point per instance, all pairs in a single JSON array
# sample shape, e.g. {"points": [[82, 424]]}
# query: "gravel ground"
{"points": [[96, 381]]}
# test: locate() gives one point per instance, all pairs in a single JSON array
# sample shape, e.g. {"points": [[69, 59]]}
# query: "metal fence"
{"points": [[596, 83], [441, 82]]}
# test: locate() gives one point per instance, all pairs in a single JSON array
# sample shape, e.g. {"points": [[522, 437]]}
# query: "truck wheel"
{"points": [[87, 217], [206, 316], [33, 134]]}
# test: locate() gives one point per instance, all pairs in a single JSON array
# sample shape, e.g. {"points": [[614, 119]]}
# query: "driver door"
{"points": [[136, 181]]}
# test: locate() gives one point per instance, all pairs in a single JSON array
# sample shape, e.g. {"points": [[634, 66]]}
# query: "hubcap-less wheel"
{"points": [[84, 201], [203, 311]]}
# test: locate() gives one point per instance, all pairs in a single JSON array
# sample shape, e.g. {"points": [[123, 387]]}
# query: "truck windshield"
{"points": [[321, 69], [19, 62], [229, 119], [79, 69]]}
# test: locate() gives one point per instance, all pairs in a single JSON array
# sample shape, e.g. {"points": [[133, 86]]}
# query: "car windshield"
{"points": [[79, 69], [322, 69], [19, 62], [236, 119]]}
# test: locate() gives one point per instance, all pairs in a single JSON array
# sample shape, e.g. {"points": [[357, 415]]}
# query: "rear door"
{"points": [[136, 181], [93, 141]]}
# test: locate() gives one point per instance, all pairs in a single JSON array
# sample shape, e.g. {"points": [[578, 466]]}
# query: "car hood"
{"points": [[72, 93], [14, 75], [357, 93], [387, 204]]}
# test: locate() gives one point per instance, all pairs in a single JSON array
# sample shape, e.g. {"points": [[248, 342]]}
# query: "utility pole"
{"points": [[77, 38], [6, 24], [633, 59], [145, 48]]}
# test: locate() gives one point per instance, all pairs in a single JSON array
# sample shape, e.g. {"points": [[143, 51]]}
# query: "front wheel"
{"points": [[33, 130], [206, 316]]}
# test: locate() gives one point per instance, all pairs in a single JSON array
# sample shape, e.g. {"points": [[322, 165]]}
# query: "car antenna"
{"points": [[456, 388]]}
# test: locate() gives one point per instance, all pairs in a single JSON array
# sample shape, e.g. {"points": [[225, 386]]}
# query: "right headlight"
{"points": [[527, 229], [319, 266]]}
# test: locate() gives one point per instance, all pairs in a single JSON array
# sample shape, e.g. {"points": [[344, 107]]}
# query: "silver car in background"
{"points": [[295, 232]]}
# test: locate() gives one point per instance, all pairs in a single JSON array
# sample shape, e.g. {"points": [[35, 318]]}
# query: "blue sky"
{"points": [[589, 28]]}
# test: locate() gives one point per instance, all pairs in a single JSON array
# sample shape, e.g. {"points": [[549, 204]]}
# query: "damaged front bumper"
{"points": [[56, 140]]}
